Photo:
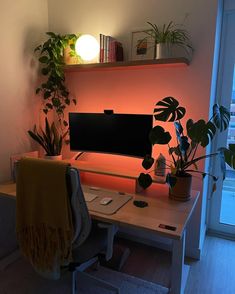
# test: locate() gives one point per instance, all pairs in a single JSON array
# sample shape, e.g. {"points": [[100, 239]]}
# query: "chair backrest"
{"points": [[81, 218], [41, 178]]}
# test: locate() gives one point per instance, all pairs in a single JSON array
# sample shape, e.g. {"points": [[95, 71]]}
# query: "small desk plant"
{"points": [[184, 157], [50, 140]]}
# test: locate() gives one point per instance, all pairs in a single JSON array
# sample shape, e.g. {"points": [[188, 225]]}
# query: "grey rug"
{"points": [[20, 278]]}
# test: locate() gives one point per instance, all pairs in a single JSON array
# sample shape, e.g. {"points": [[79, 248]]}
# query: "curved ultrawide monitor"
{"points": [[123, 134]]}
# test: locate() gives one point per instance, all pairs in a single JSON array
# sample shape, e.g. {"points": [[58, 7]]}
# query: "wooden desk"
{"points": [[160, 210]]}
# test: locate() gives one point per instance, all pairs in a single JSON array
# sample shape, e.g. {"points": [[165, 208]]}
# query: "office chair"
{"points": [[90, 239]]}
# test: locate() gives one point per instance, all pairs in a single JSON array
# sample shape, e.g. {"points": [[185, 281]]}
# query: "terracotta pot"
{"points": [[181, 191], [54, 157]]}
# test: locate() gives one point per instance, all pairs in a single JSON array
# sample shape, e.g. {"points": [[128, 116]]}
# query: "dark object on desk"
{"points": [[108, 111], [139, 203], [119, 258]]}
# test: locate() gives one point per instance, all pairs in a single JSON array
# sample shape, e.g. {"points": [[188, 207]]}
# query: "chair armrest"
{"points": [[111, 231]]}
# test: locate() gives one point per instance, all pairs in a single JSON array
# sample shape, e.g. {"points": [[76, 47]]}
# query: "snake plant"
{"points": [[49, 139]]}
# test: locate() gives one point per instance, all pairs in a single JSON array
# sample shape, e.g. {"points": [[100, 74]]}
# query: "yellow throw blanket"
{"points": [[43, 213]]}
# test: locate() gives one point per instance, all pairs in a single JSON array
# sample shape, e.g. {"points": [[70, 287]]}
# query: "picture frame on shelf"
{"points": [[142, 45]]}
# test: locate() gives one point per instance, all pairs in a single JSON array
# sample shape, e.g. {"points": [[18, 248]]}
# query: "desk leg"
{"points": [[179, 271]]}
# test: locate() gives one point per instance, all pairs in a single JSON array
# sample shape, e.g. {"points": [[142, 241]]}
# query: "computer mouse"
{"points": [[140, 203]]}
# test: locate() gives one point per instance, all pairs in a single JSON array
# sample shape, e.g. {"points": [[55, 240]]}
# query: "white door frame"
{"points": [[223, 94]]}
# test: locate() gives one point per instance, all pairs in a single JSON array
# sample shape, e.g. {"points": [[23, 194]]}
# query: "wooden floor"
{"points": [[213, 274]]}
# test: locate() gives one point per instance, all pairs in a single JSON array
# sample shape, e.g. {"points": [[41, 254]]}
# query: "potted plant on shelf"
{"points": [[53, 89], [49, 139], [168, 35], [184, 159]]}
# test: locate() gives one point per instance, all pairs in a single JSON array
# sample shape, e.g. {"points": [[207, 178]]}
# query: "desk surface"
{"points": [[160, 210]]}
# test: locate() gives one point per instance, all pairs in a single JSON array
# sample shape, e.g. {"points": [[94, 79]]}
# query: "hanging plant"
{"points": [[53, 89]]}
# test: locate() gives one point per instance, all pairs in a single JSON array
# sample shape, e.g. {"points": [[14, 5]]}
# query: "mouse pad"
{"points": [[118, 200]]}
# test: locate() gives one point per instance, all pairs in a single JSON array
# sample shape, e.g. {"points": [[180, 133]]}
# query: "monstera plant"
{"points": [[184, 159]]}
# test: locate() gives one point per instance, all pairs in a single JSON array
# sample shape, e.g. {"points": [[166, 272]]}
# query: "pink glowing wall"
{"points": [[137, 91]]}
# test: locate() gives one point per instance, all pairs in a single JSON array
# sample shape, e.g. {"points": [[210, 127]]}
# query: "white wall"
{"points": [[23, 23], [119, 19]]}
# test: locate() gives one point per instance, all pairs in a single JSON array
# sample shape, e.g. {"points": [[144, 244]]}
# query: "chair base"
{"points": [[78, 272]]}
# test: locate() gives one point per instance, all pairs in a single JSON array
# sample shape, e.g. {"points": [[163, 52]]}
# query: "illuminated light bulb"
{"points": [[87, 47]]}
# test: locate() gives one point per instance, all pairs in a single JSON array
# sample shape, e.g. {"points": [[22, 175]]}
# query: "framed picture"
{"points": [[142, 45]]}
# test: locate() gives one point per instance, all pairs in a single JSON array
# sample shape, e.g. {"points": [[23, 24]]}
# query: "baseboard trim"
{"points": [[218, 234], [4, 262]]}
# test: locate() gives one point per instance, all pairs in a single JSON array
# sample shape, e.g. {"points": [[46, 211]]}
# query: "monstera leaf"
{"points": [[229, 155], [200, 131], [221, 117], [169, 110], [158, 136]]}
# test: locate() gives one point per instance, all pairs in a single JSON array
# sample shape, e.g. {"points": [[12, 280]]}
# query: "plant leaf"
{"points": [[228, 155], [200, 131], [158, 136], [65, 123], [221, 117], [169, 110], [43, 59], [178, 128], [175, 150], [147, 162], [45, 71], [184, 144], [47, 94], [56, 102], [144, 180]]}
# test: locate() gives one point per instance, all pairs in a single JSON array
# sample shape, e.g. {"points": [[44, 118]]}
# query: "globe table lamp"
{"points": [[87, 47]]}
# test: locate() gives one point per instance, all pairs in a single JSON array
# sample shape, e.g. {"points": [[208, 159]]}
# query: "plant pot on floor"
{"points": [[180, 187]]}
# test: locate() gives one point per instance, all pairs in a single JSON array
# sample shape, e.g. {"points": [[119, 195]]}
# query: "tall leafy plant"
{"points": [[53, 89], [184, 158]]}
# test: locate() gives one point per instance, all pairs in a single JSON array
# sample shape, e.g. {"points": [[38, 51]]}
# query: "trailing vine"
{"points": [[55, 94]]}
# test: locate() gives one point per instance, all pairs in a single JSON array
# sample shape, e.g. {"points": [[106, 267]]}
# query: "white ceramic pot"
{"points": [[54, 157], [163, 50]]}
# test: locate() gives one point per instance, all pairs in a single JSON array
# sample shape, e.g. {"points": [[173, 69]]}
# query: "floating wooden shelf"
{"points": [[169, 62]]}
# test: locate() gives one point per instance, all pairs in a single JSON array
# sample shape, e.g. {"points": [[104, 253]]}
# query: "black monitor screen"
{"points": [[125, 134]]}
